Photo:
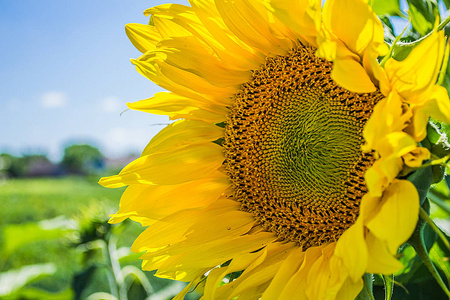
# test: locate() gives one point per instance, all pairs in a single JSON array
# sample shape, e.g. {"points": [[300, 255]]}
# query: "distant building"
{"points": [[117, 164]]}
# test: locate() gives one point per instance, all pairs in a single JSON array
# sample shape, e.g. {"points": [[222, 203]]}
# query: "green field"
{"points": [[30, 200], [78, 200]]}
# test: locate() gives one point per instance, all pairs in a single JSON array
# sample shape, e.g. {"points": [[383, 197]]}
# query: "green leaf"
{"points": [[447, 3], [34, 293], [367, 291], [388, 286], [422, 180], [447, 181], [81, 281], [439, 255], [18, 235], [387, 7], [414, 270], [401, 51], [136, 290], [441, 208], [442, 189], [388, 29], [137, 276], [14, 280], [424, 290], [422, 14], [433, 134], [419, 240]]}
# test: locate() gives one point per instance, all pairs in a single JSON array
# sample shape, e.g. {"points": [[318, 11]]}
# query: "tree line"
{"points": [[80, 159]]}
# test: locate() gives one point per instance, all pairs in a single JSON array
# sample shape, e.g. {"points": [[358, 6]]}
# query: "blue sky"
{"points": [[65, 77]]}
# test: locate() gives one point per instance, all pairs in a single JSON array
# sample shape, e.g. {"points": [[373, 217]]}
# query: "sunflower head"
{"points": [[287, 164]]}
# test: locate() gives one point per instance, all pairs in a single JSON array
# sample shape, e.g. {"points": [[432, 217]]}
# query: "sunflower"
{"points": [[280, 177]]}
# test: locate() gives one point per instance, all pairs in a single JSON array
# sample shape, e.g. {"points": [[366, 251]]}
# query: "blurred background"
{"points": [[65, 79]]}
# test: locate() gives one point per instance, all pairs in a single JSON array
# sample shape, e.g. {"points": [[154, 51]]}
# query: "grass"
{"points": [[32, 200]]}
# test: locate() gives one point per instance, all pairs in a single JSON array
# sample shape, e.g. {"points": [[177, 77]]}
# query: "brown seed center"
{"points": [[293, 148]]}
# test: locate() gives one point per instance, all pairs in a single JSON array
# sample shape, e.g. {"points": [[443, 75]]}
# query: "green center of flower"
{"points": [[293, 148]]}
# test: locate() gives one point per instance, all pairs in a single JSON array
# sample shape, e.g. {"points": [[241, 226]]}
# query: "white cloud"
{"points": [[53, 99], [120, 141], [112, 105]]}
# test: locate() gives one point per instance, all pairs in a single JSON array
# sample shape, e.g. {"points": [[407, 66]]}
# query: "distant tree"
{"points": [[82, 159], [12, 166], [26, 165]]}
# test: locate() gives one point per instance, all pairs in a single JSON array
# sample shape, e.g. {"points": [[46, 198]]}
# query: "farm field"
{"points": [[62, 221]]}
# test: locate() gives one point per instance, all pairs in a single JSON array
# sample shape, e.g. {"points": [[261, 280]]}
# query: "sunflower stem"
{"points": [[440, 161], [424, 215], [436, 197], [114, 288], [115, 265], [439, 28], [418, 244], [391, 49], [368, 285], [444, 23], [367, 291], [388, 286], [444, 64]]}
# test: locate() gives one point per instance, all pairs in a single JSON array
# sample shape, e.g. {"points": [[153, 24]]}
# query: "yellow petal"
{"points": [[239, 263], [351, 75], [321, 283], [192, 55], [350, 289], [264, 272], [174, 228], [155, 202], [415, 158], [380, 260], [295, 288], [155, 65], [381, 174], [182, 133], [172, 167], [250, 24], [181, 295], [376, 72], [327, 46], [353, 31], [143, 37], [389, 115], [153, 72], [396, 144], [289, 267], [231, 50], [397, 218], [220, 251], [164, 21], [204, 22], [303, 16], [415, 75], [438, 107], [368, 207], [354, 23], [352, 249], [176, 107]]}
